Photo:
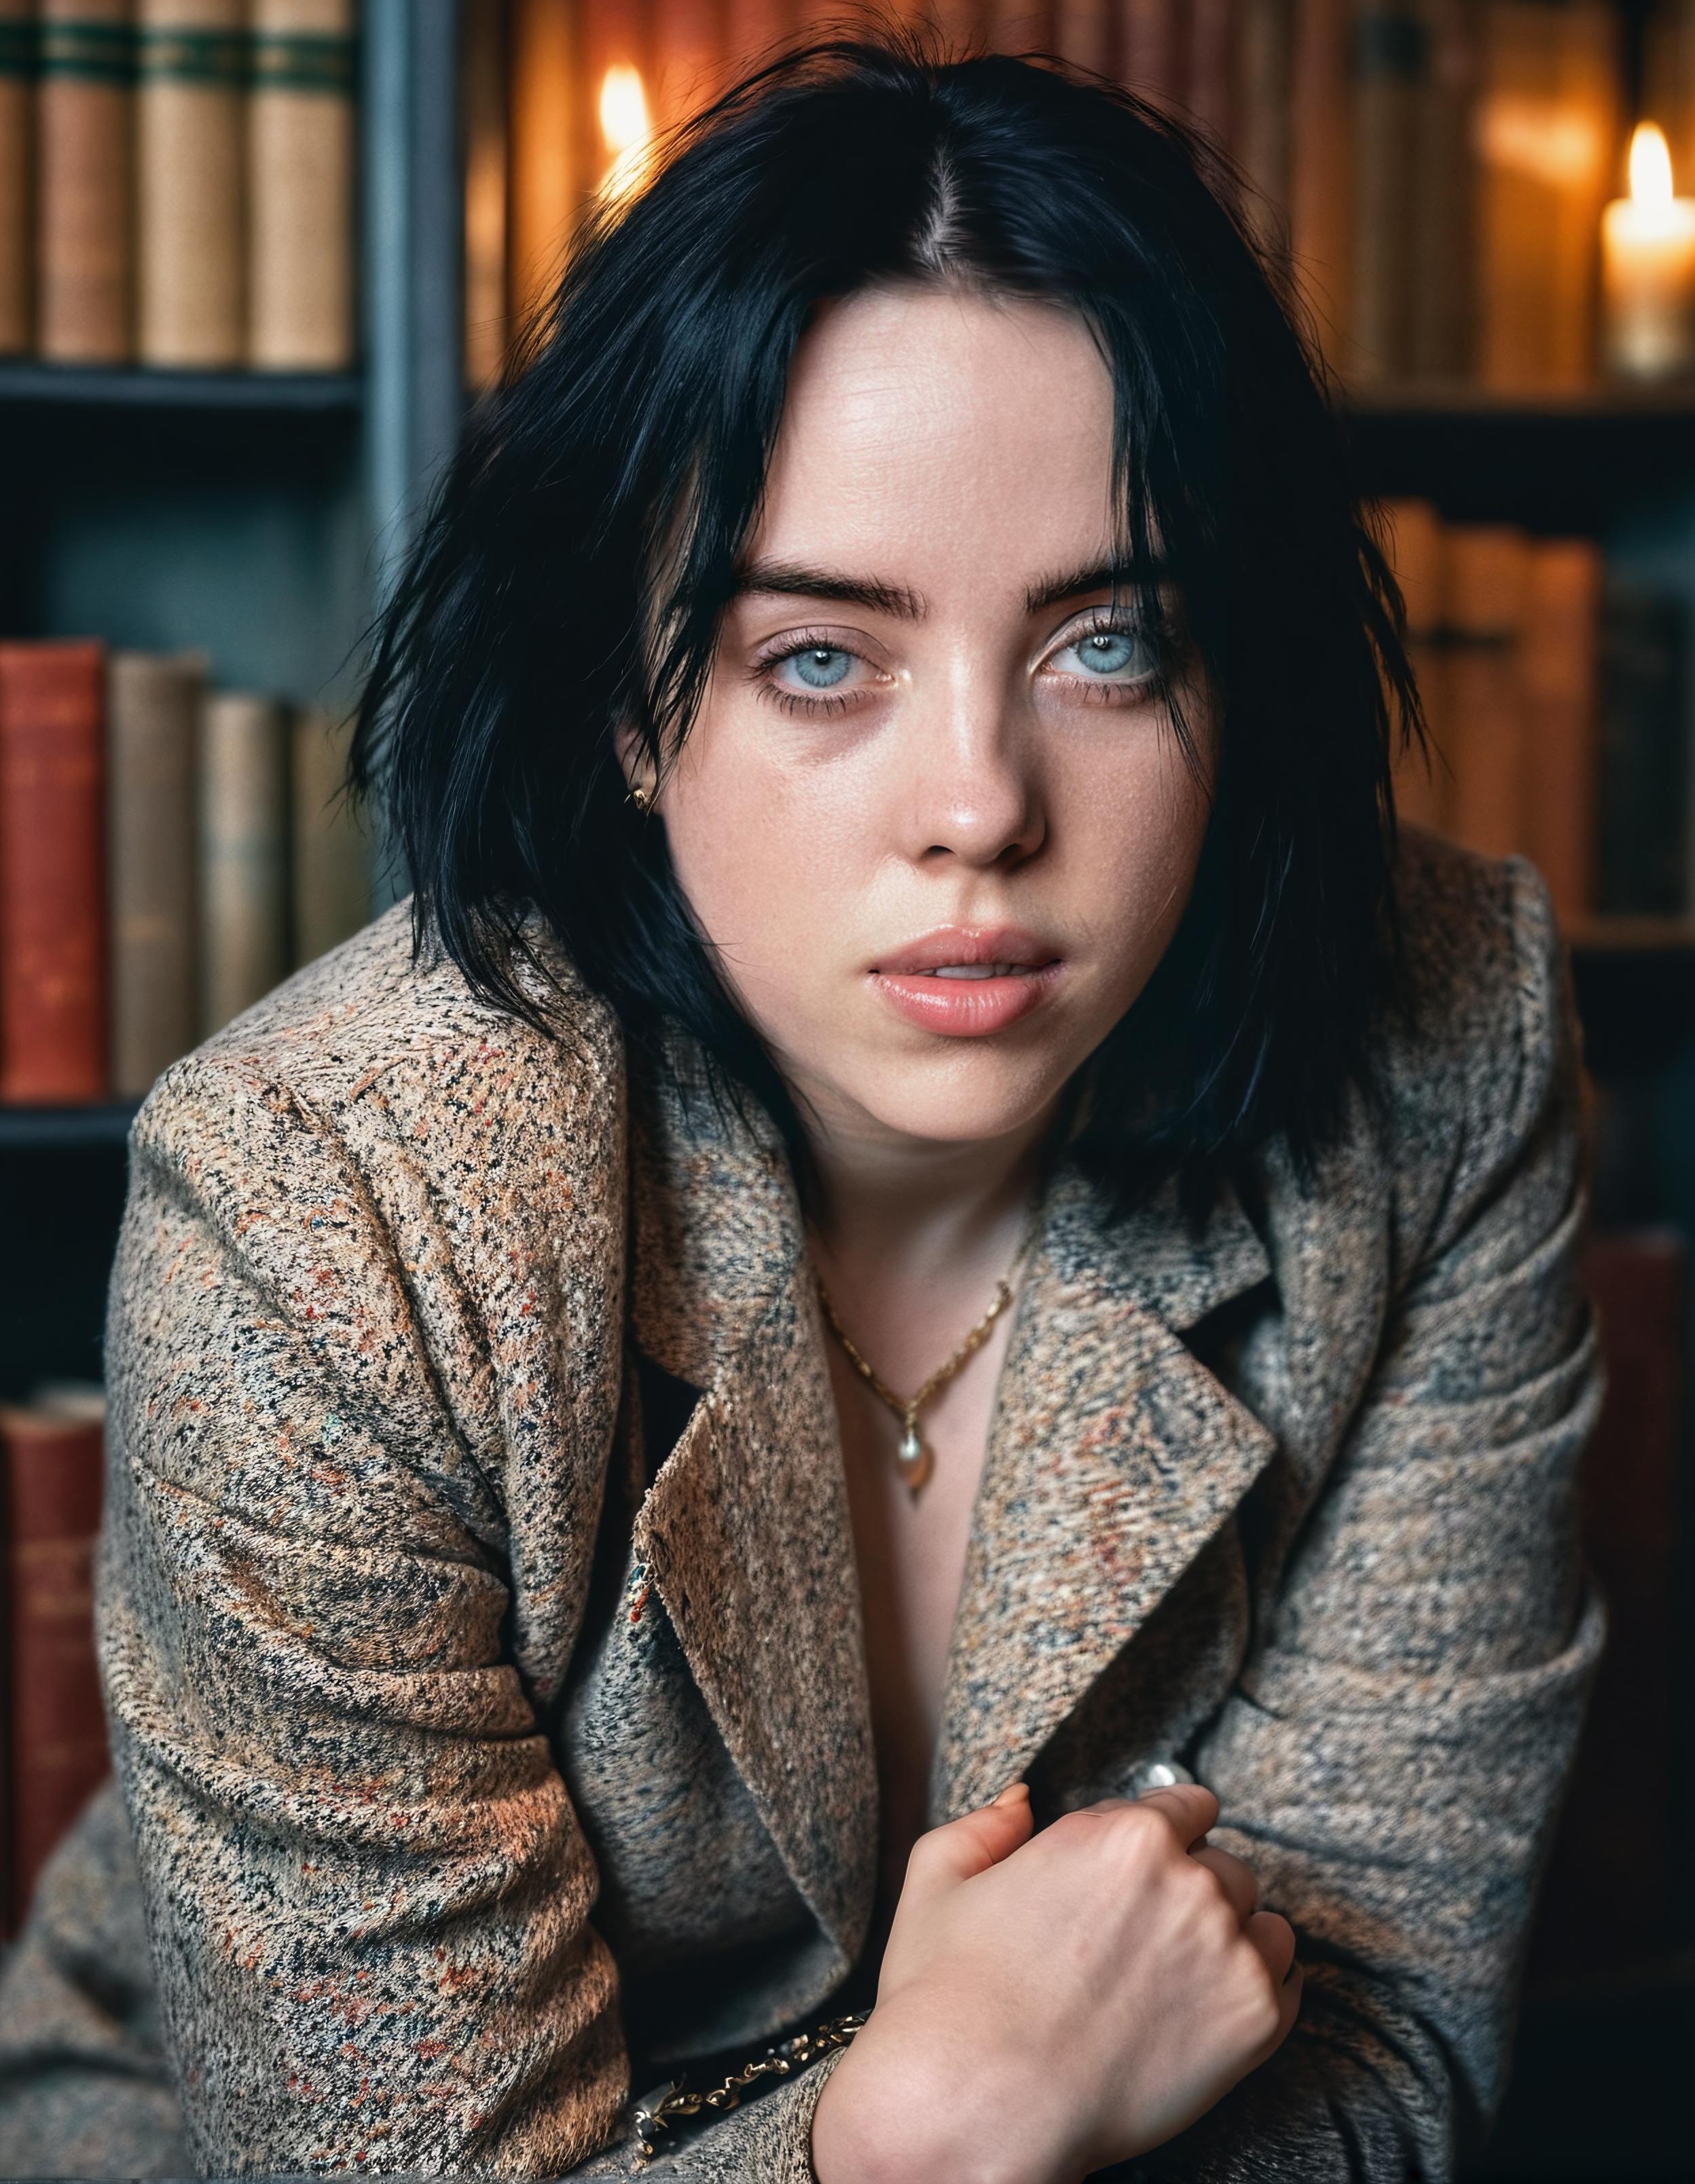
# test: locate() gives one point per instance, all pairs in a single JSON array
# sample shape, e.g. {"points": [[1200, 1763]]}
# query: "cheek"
{"points": [[1134, 830]]}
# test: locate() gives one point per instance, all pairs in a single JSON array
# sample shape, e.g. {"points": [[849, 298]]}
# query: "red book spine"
{"points": [[56, 1742], [53, 873]]}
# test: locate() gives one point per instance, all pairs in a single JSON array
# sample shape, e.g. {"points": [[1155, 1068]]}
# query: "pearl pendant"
{"points": [[913, 1459]]}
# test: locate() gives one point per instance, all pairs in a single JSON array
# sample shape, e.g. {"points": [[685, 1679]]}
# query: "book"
{"points": [[153, 702], [1547, 125], [1151, 49], [331, 886], [52, 1459], [1263, 54], [550, 152], [1613, 1875], [300, 186], [1390, 49], [85, 100], [1019, 26], [688, 55], [961, 26], [16, 166], [243, 836], [1210, 73], [756, 31], [1440, 334], [1422, 780], [1082, 32], [1321, 163], [1642, 851], [1560, 669], [191, 245], [54, 1043], [1485, 583], [483, 77]]}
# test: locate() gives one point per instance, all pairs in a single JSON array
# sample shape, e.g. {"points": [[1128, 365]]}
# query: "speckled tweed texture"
{"points": [[473, 1761]]}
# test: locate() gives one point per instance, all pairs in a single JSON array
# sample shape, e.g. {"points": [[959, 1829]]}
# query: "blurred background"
{"points": [[256, 259]]}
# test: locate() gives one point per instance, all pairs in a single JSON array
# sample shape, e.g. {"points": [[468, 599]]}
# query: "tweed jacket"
{"points": [[477, 1604]]}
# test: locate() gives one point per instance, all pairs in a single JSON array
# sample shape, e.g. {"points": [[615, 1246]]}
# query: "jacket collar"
{"points": [[1113, 1457]]}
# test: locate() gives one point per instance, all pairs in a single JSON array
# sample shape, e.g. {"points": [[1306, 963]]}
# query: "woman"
{"points": [[913, 1336]]}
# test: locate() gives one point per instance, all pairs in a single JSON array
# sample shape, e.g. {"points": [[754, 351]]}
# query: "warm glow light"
{"points": [[1650, 165], [625, 130]]}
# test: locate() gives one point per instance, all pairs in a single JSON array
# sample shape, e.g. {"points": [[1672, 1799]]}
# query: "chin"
{"points": [[965, 1102]]}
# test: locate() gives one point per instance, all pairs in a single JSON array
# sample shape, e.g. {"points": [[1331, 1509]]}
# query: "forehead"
{"points": [[923, 422]]}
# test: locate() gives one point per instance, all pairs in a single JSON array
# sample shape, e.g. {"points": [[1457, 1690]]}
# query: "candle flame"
{"points": [[1650, 165], [626, 131]]}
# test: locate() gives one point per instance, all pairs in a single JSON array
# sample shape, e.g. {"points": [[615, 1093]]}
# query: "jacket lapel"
{"points": [[1114, 1456], [746, 1532]]}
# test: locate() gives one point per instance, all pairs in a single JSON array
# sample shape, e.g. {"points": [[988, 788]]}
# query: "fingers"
{"points": [[1274, 1939], [1234, 1877], [1189, 1809], [971, 1844]]}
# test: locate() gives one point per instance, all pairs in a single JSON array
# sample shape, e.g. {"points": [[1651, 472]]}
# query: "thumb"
{"points": [[971, 1844]]}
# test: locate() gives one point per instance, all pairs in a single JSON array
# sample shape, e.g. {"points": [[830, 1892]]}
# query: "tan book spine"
{"points": [[1264, 50], [1321, 179], [331, 852], [190, 240], [1082, 32], [153, 702], [85, 210], [484, 77], [1018, 26], [1591, 76], [1444, 240], [1415, 545], [1391, 58], [1151, 50], [549, 150], [1486, 589], [17, 174], [300, 187], [243, 810], [688, 57], [1562, 693]]}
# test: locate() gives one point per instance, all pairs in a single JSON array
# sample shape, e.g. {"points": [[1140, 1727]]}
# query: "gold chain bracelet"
{"points": [[682, 2104]]}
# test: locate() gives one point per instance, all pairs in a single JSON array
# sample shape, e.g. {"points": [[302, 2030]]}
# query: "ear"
{"points": [[634, 763]]}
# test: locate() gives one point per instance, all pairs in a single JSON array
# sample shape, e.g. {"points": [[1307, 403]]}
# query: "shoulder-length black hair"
{"points": [[579, 552]]}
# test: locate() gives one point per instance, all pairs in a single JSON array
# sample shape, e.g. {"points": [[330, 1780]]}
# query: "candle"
{"points": [[624, 131], [1647, 269]]}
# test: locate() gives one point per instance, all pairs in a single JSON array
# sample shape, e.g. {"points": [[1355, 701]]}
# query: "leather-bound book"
{"points": [[53, 874], [1210, 90], [1561, 671], [331, 878], [16, 165], [1391, 52], [1444, 242], [300, 187], [191, 239], [1152, 49], [1487, 582], [1264, 51], [51, 1465], [483, 80], [243, 854], [85, 196], [153, 702], [1321, 166], [549, 150], [1082, 32], [1422, 780]]}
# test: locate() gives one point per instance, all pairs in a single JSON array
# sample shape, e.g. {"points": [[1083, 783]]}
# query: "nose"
{"points": [[975, 793]]}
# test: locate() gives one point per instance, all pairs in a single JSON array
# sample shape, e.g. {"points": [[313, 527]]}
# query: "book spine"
{"points": [[1592, 73], [1321, 178], [1644, 753], [753, 32], [1211, 68], [961, 24], [243, 855], [688, 52], [1082, 32], [331, 878], [1265, 52], [1391, 69], [57, 1750], [153, 703], [550, 152], [1486, 577], [191, 239], [85, 102], [1151, 49], [17, 165], [1561, 675], [485, 72], [1018, 26], [1415, 554], [300, 174], [1444, 242], [53, 874]]}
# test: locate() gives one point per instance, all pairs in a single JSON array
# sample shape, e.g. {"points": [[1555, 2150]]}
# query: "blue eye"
{"points": [[1118, 652], [822, 666]]}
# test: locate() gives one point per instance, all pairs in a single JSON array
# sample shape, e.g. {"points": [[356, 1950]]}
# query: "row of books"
{"points": [[1436, 169], [176, 183], [167, 853], [54, 1743], [1557, 695]]}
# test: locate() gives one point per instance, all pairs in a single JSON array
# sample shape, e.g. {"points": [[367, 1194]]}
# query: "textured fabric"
{"points": [[478, 1767]]}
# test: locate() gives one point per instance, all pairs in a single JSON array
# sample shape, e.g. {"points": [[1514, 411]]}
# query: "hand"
{"points": [[1049, 2004]]}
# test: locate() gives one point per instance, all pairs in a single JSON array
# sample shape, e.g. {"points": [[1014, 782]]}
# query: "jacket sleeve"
{"points": [[1394, 1757], [365, 1890]]}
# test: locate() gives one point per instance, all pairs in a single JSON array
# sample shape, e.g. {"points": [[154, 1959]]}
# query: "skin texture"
{"points": [[971, 741]]}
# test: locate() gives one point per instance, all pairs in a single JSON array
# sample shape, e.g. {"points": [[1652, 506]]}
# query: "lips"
{"points": [[966, 982]]}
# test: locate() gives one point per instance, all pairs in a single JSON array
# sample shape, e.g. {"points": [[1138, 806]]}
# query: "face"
{"points": [[931, 816]]}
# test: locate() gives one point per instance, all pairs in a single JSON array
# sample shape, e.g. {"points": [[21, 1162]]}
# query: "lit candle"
{"points": [[624, 131], [1647, 269]]}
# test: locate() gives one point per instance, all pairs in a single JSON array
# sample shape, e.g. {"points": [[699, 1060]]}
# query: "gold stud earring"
{"points": [[640, 798]]}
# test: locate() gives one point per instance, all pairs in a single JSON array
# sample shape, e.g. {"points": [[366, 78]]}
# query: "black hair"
{"points": [[631, 435]]}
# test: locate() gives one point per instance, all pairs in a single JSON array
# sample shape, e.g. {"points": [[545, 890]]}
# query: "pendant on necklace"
{"points": [[912, 1459]]}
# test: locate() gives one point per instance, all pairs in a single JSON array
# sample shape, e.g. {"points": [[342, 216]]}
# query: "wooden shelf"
{"points": [[1632, 936], [43, 1129], [31, 387], [1605, 403]]}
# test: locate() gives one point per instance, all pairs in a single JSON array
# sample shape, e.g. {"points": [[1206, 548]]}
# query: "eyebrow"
{"points": [[794, 579]]}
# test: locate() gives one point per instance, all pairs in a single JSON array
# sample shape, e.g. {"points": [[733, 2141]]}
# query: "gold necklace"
{"points": [[913, 1457]]}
